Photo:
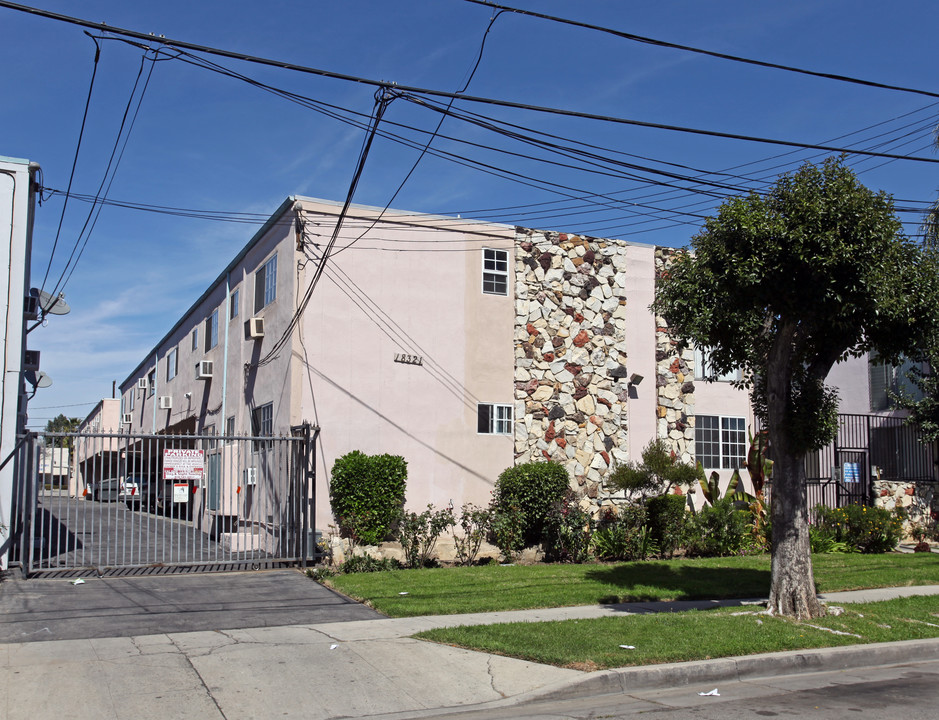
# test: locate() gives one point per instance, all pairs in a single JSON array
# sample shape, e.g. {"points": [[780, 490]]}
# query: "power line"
{"points": [[71, 177], [701, 51], [414, 90]]}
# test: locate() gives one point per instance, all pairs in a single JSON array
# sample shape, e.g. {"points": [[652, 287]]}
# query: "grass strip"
{"points": [[693, 635], [489, 588]]}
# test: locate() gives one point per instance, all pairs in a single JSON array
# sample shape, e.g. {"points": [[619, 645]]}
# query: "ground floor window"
{"points": [[720, 442], [492, 419]]}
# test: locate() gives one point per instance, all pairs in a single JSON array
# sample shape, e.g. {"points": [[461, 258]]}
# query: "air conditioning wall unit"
{"points": [[251, 476], [142, 383], [204, 369], [166, 402], [31, 360], [254, 328], [127, 418]]}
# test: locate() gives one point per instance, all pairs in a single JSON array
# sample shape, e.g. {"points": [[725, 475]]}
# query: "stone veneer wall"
{"points": [[920, 500], [570, 355], [674, 380]]}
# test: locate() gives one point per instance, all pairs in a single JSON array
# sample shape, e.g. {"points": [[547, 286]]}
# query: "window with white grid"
{"points": [[720, 442]]}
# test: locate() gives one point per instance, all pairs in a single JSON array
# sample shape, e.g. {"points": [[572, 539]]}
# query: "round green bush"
{"points": [[366, 494], [533, 487]]}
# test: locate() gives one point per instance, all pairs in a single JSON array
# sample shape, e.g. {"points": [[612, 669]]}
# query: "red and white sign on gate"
{"points": [[182, 464]]}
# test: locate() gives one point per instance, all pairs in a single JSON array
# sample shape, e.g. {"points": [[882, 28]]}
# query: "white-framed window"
{"points": [[230, 425], [133, 396], [495, 271], [493, 419], [151, 382], [172, 364], [210, 430], [233, 301], [262, 424], [211, 330], [704, 371], [195, 338], [265, 284], [720, 441]]}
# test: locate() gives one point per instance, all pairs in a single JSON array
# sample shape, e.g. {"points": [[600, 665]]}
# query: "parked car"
{"points": [[107, 490], [141, 490]]}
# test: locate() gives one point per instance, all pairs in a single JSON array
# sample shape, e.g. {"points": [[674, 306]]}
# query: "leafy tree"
{"points": [[62, 424], [784, 286]]}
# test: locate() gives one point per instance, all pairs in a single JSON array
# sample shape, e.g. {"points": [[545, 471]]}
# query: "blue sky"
{"points": [[208, 142]]}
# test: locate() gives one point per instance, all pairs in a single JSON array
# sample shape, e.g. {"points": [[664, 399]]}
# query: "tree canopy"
{"points": [[818, 269], [784, 285]]}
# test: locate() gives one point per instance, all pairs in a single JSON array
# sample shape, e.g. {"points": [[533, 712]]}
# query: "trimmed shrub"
{"points": [[367, 495], [719, 530], [507, 525], [534, 488], [863, 529], [667, 519]]}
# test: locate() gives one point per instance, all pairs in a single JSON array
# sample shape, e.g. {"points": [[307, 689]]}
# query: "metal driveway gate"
{"points": [[112, 502]]}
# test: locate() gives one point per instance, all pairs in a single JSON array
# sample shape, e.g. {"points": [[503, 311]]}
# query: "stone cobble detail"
{"points": [[674, 380], [570, 355]]}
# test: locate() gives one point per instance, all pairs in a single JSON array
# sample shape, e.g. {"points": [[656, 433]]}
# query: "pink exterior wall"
{"points": [[640, 342], [421, 294]]}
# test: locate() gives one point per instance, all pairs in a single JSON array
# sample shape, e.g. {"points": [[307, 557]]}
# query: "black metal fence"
{"points": [[867, 448], [110, 501]]}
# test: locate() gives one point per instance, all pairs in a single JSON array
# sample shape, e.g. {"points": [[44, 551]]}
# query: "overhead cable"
{"points": [[169, 42]]}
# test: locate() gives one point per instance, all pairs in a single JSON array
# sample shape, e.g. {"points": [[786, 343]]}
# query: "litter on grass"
{"points": [[713, 693], [628, 647], [402, 593]]}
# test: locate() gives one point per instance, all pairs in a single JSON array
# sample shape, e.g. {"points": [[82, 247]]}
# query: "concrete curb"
{"points": [[747, 667]]}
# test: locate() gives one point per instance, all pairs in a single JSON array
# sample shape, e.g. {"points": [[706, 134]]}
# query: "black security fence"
{"points": [[114, 502], [867, 448]]}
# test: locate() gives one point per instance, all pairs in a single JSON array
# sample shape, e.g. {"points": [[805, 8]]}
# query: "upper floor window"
{"points": [[703, 369], [492, 419], [495, 271], [265, 284], [195, 339], [211, 330], [133, 396], [233, 309], [886, 379], [720, 442], [151, 382], [172, 364]]}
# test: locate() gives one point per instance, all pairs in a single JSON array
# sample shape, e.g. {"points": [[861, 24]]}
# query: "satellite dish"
{"points": [[37, 378], [51, 304]]}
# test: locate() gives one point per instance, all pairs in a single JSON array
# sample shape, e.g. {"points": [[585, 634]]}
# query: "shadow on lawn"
{"points": [[646, 581]]}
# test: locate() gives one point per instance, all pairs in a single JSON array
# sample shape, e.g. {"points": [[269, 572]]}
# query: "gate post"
{"points": [[305, 484]]}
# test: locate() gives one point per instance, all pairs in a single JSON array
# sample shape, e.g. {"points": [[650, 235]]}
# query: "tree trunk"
{"points": [[792, 585], [792, 588]]}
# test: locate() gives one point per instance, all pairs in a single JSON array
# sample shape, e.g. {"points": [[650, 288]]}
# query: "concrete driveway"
{"points": [[55, 609]]}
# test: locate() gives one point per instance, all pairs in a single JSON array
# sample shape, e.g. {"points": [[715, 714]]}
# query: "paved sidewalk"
{"points": [[356, 668]]}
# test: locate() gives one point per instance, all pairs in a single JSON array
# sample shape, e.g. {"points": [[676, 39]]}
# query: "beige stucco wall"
{"points": [[417, 291]]}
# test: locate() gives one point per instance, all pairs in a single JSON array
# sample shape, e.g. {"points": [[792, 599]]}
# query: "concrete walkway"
{"points": [[358, 668]]}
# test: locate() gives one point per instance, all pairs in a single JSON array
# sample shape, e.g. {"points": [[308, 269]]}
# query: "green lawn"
{"points": [[489, 588], [695, 635]]}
